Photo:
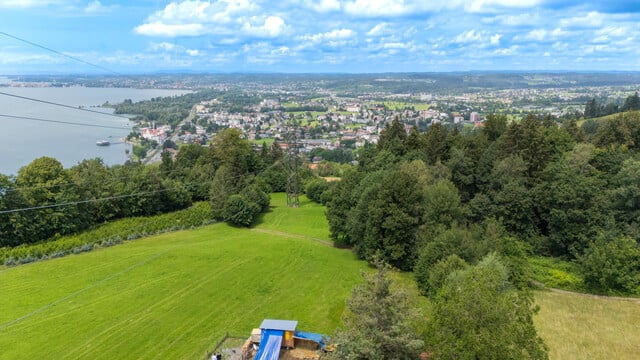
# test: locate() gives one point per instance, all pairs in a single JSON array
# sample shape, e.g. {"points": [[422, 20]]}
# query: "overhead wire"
{"points": [[62, 122], [60, 53], [114, 197], [67, 56], [63, 105], [82, 201]]}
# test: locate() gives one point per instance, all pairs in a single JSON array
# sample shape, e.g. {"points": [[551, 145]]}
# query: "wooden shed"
{"points": [[287, 326]]}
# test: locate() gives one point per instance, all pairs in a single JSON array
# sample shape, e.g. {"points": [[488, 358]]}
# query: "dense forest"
{"points": [[531, 186]]}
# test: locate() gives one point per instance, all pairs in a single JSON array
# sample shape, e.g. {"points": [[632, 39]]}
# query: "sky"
{"points": [[316, 36]]}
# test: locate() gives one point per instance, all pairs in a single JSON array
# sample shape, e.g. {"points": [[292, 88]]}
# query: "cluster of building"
{"points": [[350, 121]]}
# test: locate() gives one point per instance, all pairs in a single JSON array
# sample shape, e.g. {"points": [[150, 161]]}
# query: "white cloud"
{"points": [[164, 46], [96, 7], [543, 34], [380, 29], [324, 6], [495, 39], [592, 19], [512, 50], [193, 52], [514, 20], [337, 34], [537, 34], [12, 58], [195, 17], [161, 29], [561, 46], [27, 3], [490, 5], [468, 36], [394, 45], [272, 26], [376, 8]]}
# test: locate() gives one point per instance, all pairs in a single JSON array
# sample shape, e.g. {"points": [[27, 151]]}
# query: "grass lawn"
{"points": [[174, 295], [585, 327]]}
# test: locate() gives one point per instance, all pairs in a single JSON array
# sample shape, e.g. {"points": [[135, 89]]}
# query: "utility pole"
{"points": [[293, 164]]}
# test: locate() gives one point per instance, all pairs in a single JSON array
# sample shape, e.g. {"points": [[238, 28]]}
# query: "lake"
{"points": [[22, 141]]}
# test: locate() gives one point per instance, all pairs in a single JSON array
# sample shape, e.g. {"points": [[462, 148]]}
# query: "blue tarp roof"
{"points": [[319, 338]]}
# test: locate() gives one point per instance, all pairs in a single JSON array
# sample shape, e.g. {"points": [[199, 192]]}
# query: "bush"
{"points": [[315, 188], [442, 270], [255, 194], [240, 211], [612, 267]]}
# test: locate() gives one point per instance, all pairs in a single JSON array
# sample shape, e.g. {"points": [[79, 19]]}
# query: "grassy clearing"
{"points": [[174, 295], [586, 327], [308, 220], [399, 105]]}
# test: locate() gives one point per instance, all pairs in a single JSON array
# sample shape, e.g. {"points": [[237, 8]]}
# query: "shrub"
{"points": [[240, 211], [255, 193], [441, 270], [315, 188], [612, 267]]}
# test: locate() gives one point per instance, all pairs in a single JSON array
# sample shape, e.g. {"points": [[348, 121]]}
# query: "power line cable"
{"points": [[60, 53], [62, 105], [61, 122], [82, 201], [105, 198]]}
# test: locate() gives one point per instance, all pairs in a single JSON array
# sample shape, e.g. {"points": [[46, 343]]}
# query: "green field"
{"points": [[173, 296], [587, 327], [399, 105]]}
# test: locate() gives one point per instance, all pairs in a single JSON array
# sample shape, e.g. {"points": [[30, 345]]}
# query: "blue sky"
{"points": [[321, 35]]}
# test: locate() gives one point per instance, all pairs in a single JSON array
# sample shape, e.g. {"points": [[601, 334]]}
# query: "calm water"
{"points": [[21, 141]]}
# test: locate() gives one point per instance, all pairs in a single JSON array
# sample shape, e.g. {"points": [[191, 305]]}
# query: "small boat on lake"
{"points": [[103, 143]]}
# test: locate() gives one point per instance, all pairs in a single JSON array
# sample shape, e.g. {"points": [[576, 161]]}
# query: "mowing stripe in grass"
{"points": [[74, 294]]}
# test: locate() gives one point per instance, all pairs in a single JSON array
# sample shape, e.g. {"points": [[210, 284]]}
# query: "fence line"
{"points": [[221, 341]]}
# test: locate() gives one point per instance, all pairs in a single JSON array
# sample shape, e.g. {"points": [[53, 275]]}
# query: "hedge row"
{"points": [[108, 235]]}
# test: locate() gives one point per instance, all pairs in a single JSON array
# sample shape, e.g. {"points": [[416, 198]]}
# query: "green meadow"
{"points": [[579, 326], [173, 296], [399, 105]]}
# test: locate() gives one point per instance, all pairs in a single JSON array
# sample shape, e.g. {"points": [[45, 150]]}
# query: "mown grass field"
{"points": [[586, 327], [173, 296]]}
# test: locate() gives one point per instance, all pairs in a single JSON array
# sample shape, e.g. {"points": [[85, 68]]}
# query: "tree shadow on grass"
{"points": [[260, 218]]}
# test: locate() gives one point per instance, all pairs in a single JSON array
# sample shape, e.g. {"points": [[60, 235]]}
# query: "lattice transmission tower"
{"points": [[292, 162]]}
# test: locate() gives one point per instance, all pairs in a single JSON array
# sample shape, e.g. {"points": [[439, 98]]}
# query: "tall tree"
{"points": [[494, 126], [44, 182], [632, 102], [377, 325], [393, 137], [591, 109], [478, 314]]}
